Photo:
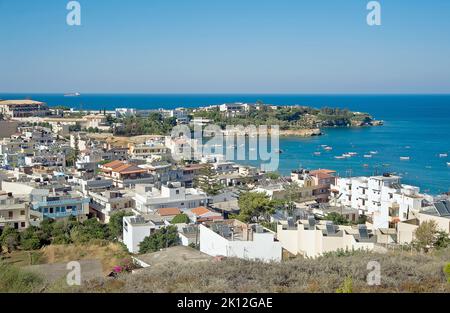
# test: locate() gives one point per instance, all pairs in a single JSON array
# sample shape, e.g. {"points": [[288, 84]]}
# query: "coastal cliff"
{"points": [[301, 132]]}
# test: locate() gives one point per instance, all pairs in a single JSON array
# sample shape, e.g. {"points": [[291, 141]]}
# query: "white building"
{"points": [[312, 239], [125, 112], [172, 195], [14, 211], [106, 202], [23, 108], [136, 228], [439, 212], [382, 197], [232, 238]]}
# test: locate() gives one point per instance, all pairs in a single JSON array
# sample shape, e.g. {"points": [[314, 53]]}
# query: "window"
{"points": [[177, 192], [22, 212], [22, 224]]}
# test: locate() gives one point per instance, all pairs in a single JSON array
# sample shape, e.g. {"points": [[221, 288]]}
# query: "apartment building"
{"points": [[136, 228], [232, 238], [23, 108], [14, 211], [46, 158], [323, 179], [151, 151], [149, 198], [50, 199], [382, 197], [125, 174], [105, 202], [312, 239]]}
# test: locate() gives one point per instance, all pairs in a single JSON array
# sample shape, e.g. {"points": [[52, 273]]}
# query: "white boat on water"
{"points": [[443, 155], [317, 153], [74, 94], [367, 156], [340, 157], [328, 148], [353, 153], [347, 155], [405, 158], [373, 152], [448, 163]]}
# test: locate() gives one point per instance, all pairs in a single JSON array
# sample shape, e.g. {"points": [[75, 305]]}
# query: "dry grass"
{"points": [[109, 254], [400, 272]]}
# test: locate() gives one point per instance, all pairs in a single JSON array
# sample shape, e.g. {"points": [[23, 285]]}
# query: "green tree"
{"points": [[32, 238], [425, 235], [163, 238], [255, 206], [116, 223], [362, 219], [180, 219], [273, 175], [10, 238], [208, 181], [442, 240], [61, 231], [337, 219], [89, 230]]}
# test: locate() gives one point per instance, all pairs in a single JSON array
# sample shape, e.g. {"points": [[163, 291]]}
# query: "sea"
{"points": [[415, 126]]}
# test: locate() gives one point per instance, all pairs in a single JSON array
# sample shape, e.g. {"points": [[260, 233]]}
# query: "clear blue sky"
{"points": [[225, 46]]}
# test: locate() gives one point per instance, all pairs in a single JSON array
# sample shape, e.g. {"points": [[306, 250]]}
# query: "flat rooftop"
{"points": [[19, 102], [178, 254]]}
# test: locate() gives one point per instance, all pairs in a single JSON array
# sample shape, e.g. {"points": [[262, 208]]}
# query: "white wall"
{"points": [[263, 247], [133, 235]]}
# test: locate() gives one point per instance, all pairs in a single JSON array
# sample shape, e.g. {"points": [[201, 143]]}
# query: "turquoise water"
{"points": [[417, 126]]}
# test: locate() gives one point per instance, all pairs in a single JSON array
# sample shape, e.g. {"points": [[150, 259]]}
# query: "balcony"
{"points": [[72, 201], [60, 214], [4, 219]]}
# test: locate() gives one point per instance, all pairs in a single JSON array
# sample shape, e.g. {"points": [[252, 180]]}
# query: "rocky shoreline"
{"points": [[301, 132]]}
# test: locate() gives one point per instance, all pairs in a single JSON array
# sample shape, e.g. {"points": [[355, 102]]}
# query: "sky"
{"points": [[225, 46]]}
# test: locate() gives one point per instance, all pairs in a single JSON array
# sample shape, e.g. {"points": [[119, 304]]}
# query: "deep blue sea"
{"points": [[417, 126]]}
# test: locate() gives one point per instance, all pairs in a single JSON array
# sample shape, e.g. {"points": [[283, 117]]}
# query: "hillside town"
{"points": [[59, 165]]}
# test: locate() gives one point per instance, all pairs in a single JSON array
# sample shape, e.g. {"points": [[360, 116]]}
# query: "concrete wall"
{"points": [[133, 235]]}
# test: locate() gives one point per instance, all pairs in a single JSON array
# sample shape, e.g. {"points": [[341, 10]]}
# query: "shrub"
{"points": [[13, 279], [346, 287], [9, 238], [162, 238], [180, 219], [447, 272]]}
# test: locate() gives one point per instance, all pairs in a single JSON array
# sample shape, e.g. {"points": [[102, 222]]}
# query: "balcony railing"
{"points": [[72, 201]]}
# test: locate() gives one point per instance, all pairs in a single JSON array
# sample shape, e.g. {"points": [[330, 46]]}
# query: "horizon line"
{"points": [[236, 93]]}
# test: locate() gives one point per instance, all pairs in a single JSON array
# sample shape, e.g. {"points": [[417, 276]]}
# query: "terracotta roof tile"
{"points": [[200, 211], [168, 211]]}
